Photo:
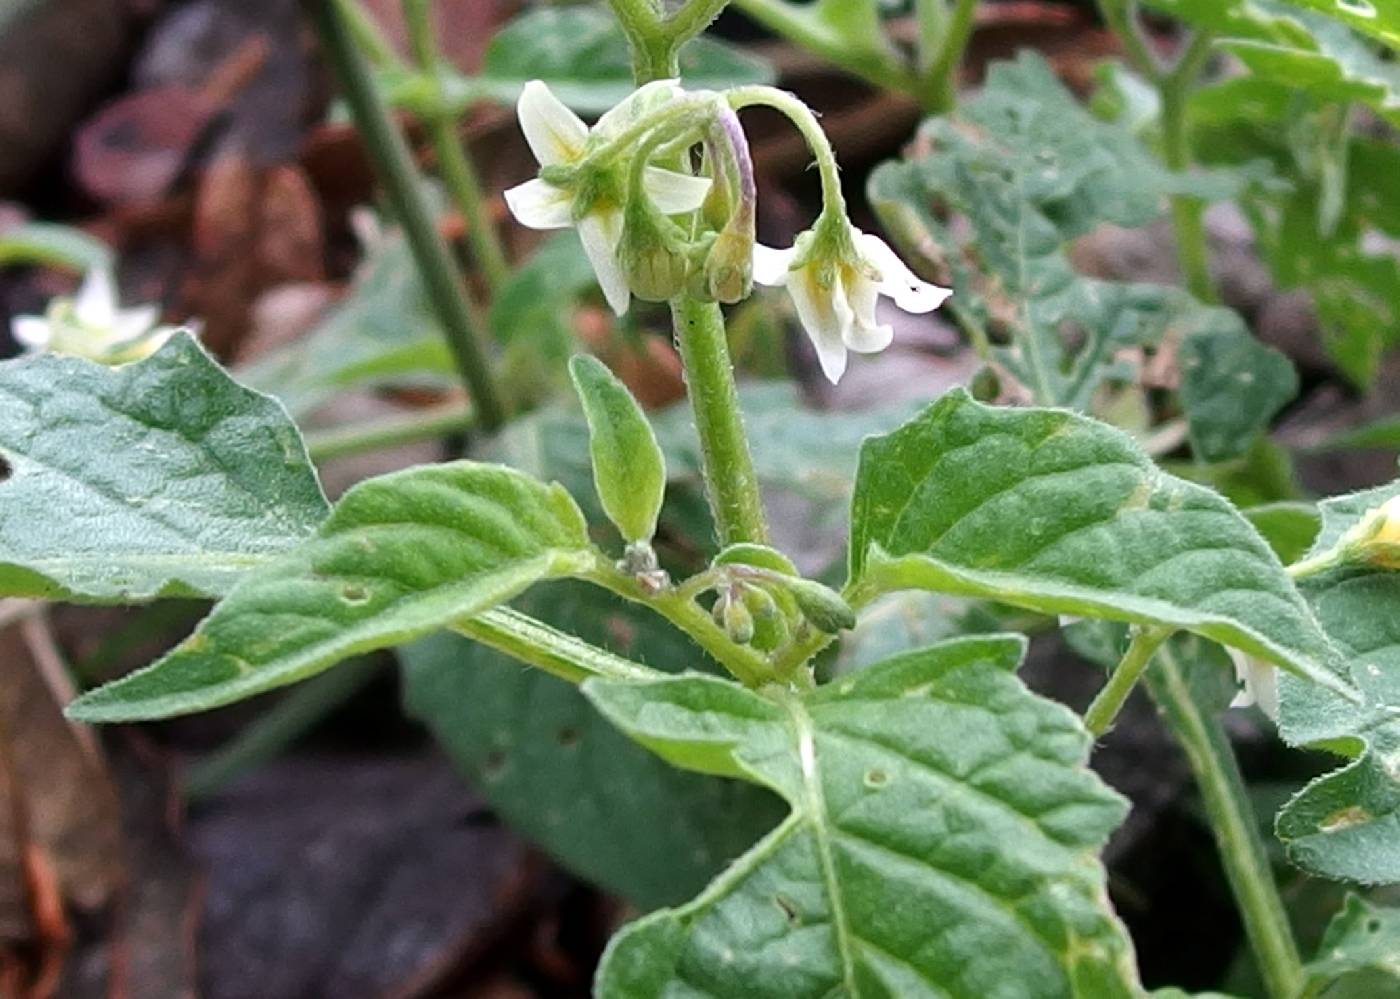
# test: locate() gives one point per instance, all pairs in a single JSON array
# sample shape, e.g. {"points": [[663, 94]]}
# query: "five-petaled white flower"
{"points": [[92, 324], [559, 138], [835, 291]]}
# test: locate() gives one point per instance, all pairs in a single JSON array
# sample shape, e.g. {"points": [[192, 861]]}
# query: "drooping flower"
{"points": [[835, 275], [93, 325], [1259, 683], [593, 200]]}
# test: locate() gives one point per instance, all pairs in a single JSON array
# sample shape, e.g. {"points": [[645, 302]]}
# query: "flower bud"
{"points": [[770, 625], [822, 606], [1379, 536], [729, 264], [653, 255], [738, 622]]}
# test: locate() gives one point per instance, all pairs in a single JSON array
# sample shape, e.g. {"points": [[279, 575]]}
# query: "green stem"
{"points": [[932, 19], [691, 19], [404, 190], [730, 479], [458, 172], [377, 435], [1124, 678], [1188, 213], [367, 35], [268, 736], [549, 649], [1122, 19], [796, 25], [1242, 850], [833, 201], [939, 83]]}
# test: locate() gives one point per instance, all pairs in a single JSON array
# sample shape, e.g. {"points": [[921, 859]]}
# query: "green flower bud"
{"points": [[770, 625], [823, 607], [729, 264], [738, 622], [653, 254]]}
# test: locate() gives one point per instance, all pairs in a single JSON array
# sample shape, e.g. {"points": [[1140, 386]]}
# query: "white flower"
{"points": [[92, 324], [1259, 680], [558, 137], [835, 293]]}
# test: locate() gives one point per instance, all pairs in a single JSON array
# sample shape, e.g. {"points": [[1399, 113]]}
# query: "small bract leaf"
{"points": [[943, 839], [401, 556], [163, 477], [1059, 513], [629, 470]]}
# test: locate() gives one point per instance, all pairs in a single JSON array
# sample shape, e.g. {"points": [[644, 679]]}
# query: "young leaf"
{"points": [[555, 770], [401, 556], [1359, 956], [1346, 824], [629, 470], [1059, 513], [159, 478], [943, 839], [1378, 18]]}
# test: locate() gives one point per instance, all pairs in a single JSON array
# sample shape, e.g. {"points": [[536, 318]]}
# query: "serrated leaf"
{"points": [[629, 471], [554, 769], [1059, 513], [159, 478], [400, 556], [1030, 169], [1231, 385], [1346, 824], [942, 839], [1359, 956]]}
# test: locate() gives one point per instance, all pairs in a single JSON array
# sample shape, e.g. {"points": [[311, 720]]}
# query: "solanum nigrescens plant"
{"points": [[942, 831]]}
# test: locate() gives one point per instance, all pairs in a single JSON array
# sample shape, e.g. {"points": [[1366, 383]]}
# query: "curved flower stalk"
{"points": [[570, 192], [93, 325], [835, 279]]}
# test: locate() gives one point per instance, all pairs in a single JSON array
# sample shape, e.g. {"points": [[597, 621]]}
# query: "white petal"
{"points": [[673, 193], [863, 295], [555, 134], [771, 265], [32, 332], [897, 281], [134, 322], [826, 316], [1260, 683], [869, 338], [601, 231], [96, 301], [540, 205]]}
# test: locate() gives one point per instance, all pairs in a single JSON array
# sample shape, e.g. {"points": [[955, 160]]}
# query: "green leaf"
{"points": [[1231, 385], [554, 768], [1030, 169], [629, 470], [1289, 527], [159, 478], [1059, 513], [400, 556], [53, 245], [582, 55], [1359, 957], [383, 332], [1346, 824], [943, 839], [1380, 19]]}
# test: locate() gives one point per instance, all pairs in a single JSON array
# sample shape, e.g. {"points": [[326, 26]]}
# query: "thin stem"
{"points": [[730, 479], [932, 19], [458, 172], [549, 649], [1188, 213], [376, 435], [748, 665], [937, 92], [1242, 850], [268, 736], [367, 35], [833, 201], [1110, 700], [692, 18], [1122, 19], [404, 190], [796, 25]]}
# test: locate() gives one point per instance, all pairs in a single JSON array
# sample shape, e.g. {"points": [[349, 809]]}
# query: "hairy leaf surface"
{"points": [[1359, 956], [401, 556], [1062, 514], [943, 839], [163, 477]]}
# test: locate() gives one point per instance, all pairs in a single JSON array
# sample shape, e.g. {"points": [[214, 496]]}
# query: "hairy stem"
{"points": [[376, 435], [458, 172], [549, 649], [692, 18], [792, 22], [403, 188], [1242, 851], [1121, 16], [1110, 700], [1188, 213], [730, 479], [833, 201]]}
